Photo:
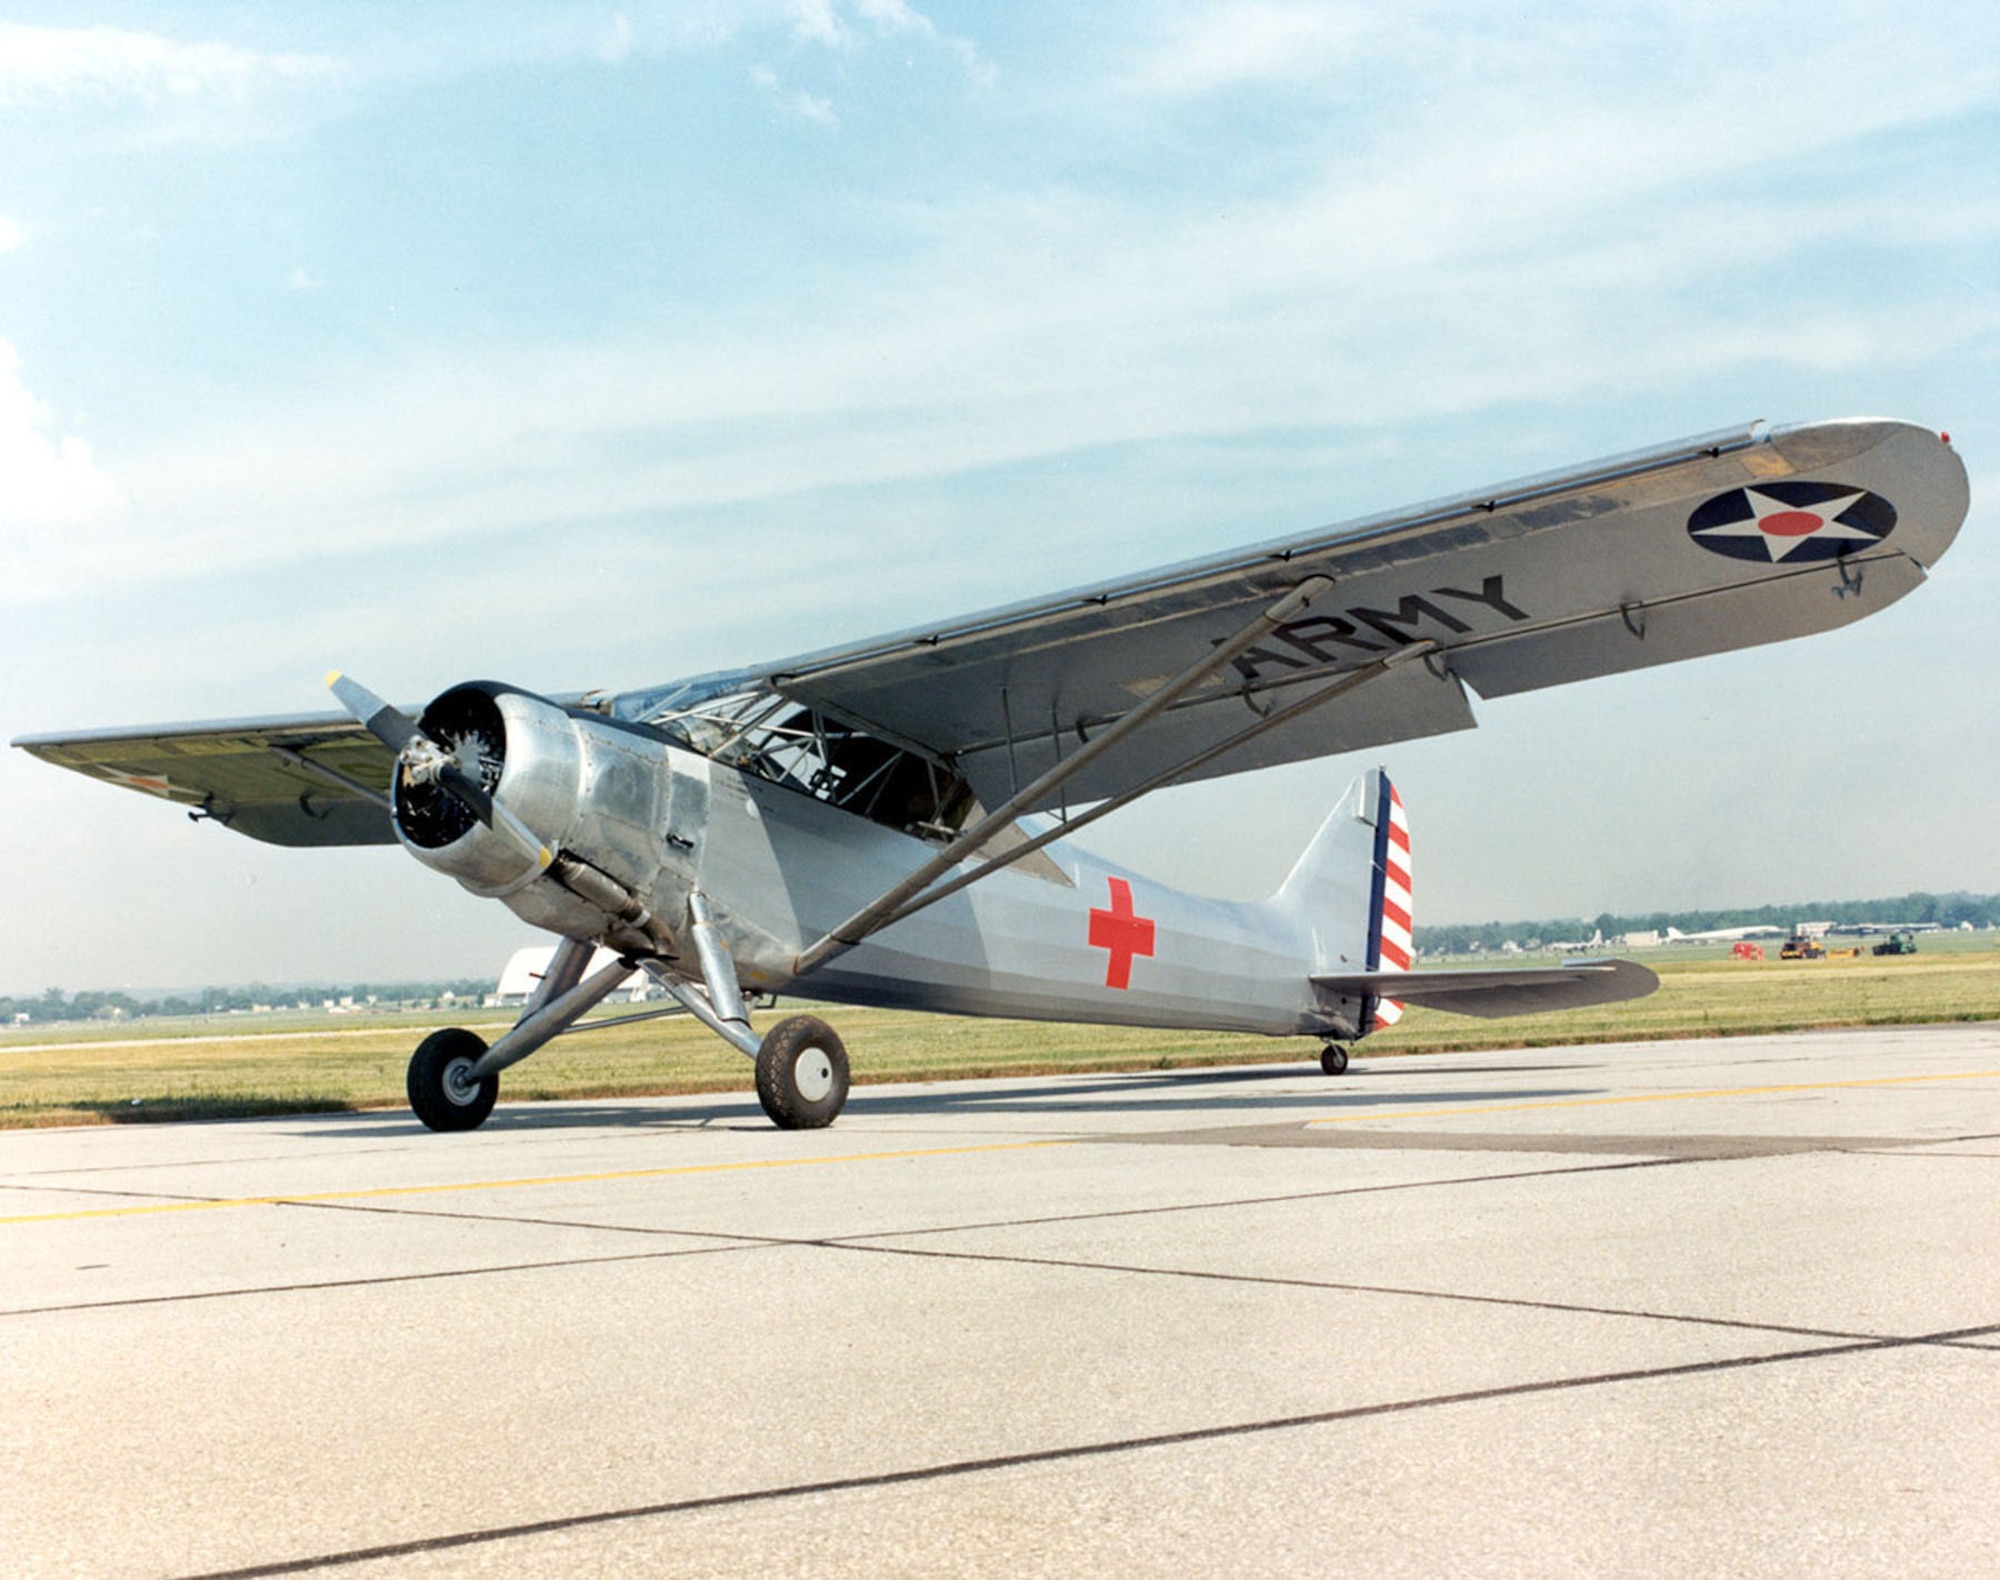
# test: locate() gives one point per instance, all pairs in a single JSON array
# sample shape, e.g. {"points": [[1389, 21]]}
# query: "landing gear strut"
{"points": [[1333, 1059], [801, 1065], [454, 1077]]}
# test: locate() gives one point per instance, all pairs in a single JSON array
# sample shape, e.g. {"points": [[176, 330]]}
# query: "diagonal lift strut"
{"points": [[1339, 686], [895, 902]]}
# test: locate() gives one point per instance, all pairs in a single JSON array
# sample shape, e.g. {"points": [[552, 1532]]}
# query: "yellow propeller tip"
{"points": [[332, 675]]}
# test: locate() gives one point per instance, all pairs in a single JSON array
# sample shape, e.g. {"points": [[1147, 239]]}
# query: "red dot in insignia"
{"points": [[1791, 523]]}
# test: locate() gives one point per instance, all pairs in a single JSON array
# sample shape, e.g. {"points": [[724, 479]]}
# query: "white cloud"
{"points": [[49, 487], [1524, 258], [616, 45], [112, 62], [820, 22], [891, 17], [1209, 50], [794, 101], [817, 22]]}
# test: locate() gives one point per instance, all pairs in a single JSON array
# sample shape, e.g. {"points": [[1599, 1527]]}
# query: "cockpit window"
{"points": [[778, 740]]}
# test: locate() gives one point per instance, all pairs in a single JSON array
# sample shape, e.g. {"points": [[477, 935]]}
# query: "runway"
{"points": [[1697, 1308]]}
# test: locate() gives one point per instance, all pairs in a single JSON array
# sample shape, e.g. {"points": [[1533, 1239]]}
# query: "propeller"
{"points": [[422, 760]]}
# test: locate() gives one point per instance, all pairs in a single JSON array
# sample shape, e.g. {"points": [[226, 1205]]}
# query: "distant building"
{"points": [[524, 972]]}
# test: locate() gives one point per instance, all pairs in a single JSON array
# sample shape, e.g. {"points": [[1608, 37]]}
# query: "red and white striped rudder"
{"points": [[1391, 946]]}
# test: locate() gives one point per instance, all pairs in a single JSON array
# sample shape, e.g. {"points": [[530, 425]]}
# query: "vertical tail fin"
{"points": [[1351, 886]]}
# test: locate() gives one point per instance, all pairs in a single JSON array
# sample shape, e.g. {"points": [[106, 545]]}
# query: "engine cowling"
{"points": [[592, 790]]}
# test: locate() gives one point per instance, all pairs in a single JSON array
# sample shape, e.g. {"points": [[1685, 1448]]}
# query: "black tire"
{"points": [[439, 1094], [802, 1073], [1333, 1059]]}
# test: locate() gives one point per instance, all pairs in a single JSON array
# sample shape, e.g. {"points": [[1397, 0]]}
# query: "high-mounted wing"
{"points": [[1727, 540], [1330, 641], [317, 780]]}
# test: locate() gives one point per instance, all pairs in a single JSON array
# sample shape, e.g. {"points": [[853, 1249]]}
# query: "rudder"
{"points": [[1392, 909], [1351, 887]]}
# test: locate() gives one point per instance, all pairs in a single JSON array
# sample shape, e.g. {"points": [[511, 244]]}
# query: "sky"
{"points": [[595, 346]]}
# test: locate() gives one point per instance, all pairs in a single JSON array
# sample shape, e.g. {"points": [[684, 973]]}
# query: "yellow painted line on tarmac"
{"points": [[1448, 1111], [376, 1193]]}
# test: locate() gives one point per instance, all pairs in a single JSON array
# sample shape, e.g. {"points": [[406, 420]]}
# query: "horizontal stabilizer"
{"points": [[1528, 990]]}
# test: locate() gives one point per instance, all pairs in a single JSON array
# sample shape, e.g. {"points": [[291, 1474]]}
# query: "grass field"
{"points": [[232, 1066]]}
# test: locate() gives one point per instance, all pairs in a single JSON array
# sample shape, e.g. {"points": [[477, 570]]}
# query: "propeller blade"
{"points": [[391, 726], [396, 730], [524, 838], [480, 803]]}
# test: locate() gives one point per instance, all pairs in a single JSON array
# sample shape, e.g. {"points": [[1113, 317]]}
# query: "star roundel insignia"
{"points": [[1792, 521]]}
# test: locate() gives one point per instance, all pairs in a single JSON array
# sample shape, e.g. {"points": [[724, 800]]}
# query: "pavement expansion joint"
{"points": [[1346, 1287], [376, 1280], [1067, 1453], [1298, 1133]]}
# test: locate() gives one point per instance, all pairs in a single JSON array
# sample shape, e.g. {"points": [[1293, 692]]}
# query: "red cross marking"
{"points": [[1123, 932]]}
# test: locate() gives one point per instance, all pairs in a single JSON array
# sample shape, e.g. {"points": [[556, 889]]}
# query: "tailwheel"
{"points": [[442, 1093], [801, 1073], [1333, 1059]]}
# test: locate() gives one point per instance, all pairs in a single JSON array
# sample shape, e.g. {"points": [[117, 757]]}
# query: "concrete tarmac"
{"points": [[1697, 1308]]}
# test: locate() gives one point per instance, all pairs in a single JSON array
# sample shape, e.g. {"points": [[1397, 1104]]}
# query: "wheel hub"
{"points": [[458, 1083], [812, 1073]]}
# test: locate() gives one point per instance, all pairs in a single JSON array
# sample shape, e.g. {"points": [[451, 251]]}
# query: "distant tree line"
{"points": [[55, 1005], [1947, 910]]}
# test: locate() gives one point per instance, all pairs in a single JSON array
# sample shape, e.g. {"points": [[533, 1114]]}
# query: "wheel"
{"points": [[801, 1073], [440, 1094], [1333, 1059]]}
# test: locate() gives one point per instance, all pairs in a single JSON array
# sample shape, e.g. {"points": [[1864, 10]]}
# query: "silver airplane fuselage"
{"points": [[1063, 935]]}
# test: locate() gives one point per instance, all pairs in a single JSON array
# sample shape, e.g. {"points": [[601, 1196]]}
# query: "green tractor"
{"points": [[1897, 944]]}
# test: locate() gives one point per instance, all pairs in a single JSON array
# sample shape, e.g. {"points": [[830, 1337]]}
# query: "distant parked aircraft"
{"points": [[1867, 929]]}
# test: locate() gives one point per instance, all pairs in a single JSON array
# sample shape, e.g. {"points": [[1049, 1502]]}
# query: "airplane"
{"points": [[888, 822], [1870, 929], [1722, 935]]}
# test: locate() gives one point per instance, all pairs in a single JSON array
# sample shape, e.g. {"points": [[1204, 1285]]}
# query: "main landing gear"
{"points": [[1333, 1059], [801, 1073], [454, 1078], [444, 1094]]}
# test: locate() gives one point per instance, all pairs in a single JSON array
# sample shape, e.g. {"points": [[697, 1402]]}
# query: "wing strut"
{"points": [[330, 775], [1338, 687], [881, 912]]}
